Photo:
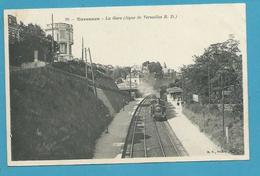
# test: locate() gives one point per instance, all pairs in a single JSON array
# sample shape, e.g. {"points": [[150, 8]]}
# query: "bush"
{"points": [[209, 121]]}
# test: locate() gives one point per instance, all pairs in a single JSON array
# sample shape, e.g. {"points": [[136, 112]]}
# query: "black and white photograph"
{"points": [[126, 84]]}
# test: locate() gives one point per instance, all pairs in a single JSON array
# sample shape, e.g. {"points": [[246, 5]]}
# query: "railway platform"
{"points": [[195, 142], [111, 143]]}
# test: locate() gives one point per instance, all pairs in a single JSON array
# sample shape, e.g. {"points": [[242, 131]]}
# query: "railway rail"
{"points": [[149, 138]]}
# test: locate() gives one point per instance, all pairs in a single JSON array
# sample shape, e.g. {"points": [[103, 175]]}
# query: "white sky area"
{"points": [[129, 42]]}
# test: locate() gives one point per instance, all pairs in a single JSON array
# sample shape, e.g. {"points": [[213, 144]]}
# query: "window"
{"points": [[71, 36], [62, 34], [58, 37], [63, 48], [70, 49]]}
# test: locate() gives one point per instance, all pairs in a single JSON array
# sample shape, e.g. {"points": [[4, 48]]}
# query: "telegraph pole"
{"points": [[86, 64], [223, 107], [130, 84], [93, 77], [52, 31], [82, 49], [209, 91], [86, 68], [182, 86]]}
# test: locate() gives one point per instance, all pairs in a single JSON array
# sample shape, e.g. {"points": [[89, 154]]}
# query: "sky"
{"points": [[131, 42]]}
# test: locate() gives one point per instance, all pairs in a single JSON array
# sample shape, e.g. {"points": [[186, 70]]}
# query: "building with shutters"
{"points": [[63, 35]]}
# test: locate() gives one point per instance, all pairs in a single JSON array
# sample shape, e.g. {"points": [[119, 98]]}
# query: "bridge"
{"points": [[126, 87]]}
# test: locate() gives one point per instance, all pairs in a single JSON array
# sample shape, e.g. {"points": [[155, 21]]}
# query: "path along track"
{"points": [[149, 138]]}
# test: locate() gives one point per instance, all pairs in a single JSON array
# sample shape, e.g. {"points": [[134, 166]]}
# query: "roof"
{"points": [[174, 90], [126, 86]]}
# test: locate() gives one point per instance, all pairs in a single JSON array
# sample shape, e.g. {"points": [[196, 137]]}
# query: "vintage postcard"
{"points": [[130, 84]]}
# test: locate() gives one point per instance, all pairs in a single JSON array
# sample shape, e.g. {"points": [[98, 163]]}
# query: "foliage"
{"points": [[31, 38], [146, 63], [79, 68], [176, 83], [120, 72], [209, 120], [102, 79], [171, 85], [54, 116], [154, 68], [218, 68], [216, 76]]}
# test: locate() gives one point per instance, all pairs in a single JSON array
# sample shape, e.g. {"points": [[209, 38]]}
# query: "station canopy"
{"points": [[172, 90], [126, 86]]}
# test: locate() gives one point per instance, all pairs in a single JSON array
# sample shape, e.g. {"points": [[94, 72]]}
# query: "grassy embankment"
{"points": [[117, 98], [54, 116], [78, 68], [210, 122]]}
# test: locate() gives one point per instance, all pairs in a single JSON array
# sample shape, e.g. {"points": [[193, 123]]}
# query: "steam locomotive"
{"points": [[158, 109]]}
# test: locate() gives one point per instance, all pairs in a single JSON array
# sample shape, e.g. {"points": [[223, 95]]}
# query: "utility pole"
{"points": [[182, 86], [223, 106], [82, 49], [86, 67], [86, 63], [130, 84], [93, 77], [209, 91], [52, 38]]}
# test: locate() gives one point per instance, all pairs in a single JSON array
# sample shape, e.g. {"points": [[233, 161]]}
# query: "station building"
{"points": [[135, 79], [63, 35]]}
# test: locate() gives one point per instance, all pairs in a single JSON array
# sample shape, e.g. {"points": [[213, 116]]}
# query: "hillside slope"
{"points": [[53, 116]]}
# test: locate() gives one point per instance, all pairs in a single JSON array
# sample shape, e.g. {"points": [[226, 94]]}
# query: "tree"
{"points": [[171, 85], [31, 38], [154, 68], [120, 72], [146, 63], [220, 65]]}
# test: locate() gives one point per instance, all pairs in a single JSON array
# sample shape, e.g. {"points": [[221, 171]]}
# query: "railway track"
{"points": [[167, 143], [147, 137]]}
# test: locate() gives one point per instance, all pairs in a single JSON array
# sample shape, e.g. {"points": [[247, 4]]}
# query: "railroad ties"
{"points": [[149, 138]]}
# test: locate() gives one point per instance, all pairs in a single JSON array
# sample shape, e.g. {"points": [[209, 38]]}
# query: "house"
{"points": [[63, 35], [135, 79]]}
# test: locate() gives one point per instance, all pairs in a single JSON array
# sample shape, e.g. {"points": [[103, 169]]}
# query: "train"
{"points": [[158, 108]]}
